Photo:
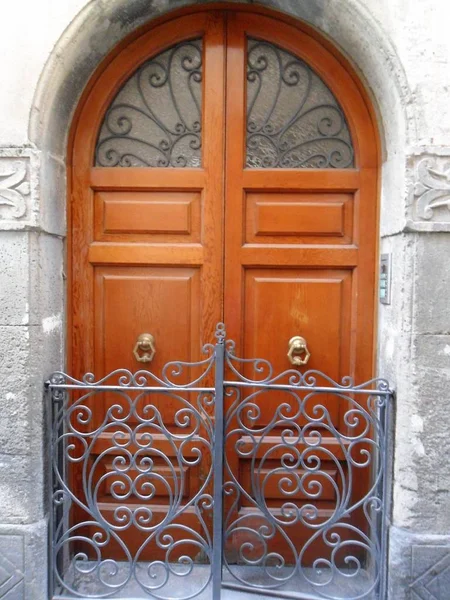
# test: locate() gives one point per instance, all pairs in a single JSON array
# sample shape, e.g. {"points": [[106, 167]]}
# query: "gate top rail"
{"points": [[312, 380]]}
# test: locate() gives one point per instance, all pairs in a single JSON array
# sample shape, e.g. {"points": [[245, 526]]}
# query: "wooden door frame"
{"points": [[128, 56]]}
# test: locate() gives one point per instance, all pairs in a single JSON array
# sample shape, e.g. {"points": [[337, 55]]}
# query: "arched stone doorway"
{"points": [[272, 144], [56, 103]]}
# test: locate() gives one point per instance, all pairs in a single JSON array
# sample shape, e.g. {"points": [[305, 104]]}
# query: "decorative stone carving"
{"points": [[431, 192], [18, 188], [433, 187], [430, 570], [14, 186], [11, 567]]}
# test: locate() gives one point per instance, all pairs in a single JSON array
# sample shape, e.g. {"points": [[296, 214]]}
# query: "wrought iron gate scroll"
{"points": [[123, 548]]}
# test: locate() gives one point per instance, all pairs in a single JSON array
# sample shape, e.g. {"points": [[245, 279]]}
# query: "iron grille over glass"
{"points": [[155, 118], [293, 119]]}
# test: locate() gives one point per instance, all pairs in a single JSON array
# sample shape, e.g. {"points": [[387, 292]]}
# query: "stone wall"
{"points": [[401, 49]]}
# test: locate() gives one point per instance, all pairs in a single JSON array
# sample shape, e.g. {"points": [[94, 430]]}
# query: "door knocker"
{"points": [[298, 352], [145, 344]]}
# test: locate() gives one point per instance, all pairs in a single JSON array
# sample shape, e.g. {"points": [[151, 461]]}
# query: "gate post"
{"points": [[218, 446]]}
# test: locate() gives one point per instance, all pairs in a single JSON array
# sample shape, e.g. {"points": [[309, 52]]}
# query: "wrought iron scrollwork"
{"points": [[297, 524], [293, 119], [300, 523], [155, 119], [110, 536]]}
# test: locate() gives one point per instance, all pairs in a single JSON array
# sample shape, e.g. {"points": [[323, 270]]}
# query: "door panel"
{"points": [[300, 218], [299, 246], [164, 301], [147, 253], [313, 302], [174, 215]]}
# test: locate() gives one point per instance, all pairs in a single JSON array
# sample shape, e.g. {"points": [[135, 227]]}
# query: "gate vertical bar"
{"points": [[48, 395], [387, 468], [218, 471]]}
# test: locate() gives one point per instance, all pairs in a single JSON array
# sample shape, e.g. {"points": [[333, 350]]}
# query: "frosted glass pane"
{"points": [[293, 119], [155, 118]]}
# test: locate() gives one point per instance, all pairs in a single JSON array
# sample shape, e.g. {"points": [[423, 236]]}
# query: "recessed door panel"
{"points": [[281, 303], [156, 216], [301, 218], [163, 301]]}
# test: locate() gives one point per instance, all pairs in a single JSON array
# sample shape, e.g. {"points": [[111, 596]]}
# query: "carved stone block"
{"points": [[18, 188], [430, 194], [11, 567], [430, 572]]}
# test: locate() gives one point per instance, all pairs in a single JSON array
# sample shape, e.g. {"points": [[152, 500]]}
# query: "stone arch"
{"points": [[99, 27]]}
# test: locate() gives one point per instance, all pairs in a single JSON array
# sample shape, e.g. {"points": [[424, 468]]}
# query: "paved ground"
{"points": [[178, 587]]}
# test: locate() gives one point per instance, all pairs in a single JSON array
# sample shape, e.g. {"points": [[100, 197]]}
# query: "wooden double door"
{"points": [[223, 167]]}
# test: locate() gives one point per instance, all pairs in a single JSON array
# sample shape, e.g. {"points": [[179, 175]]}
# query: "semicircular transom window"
{"points": [[155, 118], [293, 119]]}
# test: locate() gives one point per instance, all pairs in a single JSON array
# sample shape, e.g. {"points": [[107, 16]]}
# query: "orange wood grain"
{"points": [[320, 286], [137, 178], [291, 215], [146, 250], [272, 252]]}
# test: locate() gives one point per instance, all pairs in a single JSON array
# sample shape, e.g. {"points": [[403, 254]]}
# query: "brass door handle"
{"points": [[145, 344], [298, 352]]}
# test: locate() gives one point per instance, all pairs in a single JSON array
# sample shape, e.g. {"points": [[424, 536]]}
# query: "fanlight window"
{"points": [[293, 119], [155, 118]]}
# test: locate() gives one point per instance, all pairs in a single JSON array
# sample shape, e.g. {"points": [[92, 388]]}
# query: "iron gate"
{"points": [[313, 536]]}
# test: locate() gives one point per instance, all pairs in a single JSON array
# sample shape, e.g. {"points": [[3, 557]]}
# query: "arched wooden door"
{"points": [[223, 167]]}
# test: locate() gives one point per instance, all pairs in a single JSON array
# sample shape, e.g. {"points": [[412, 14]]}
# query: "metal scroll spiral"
{"points": [[111, 536], [155, 119], [293, 119], [175, 374], [298, 521]]}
